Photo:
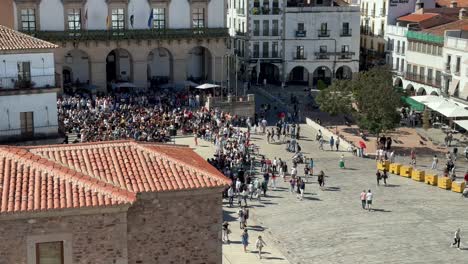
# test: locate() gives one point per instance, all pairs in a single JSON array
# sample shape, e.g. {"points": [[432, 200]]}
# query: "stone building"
{"points": [[282, 41], [109, 202], [28, 87], [102, 41]]}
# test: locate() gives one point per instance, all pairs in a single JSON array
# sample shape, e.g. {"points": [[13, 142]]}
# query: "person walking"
{"points": [[413, 158], [195, 137], [240, 214], [311, 167], [259, 244], [321, 143], [378, 176], [230, 194], [457, 239], [369, 197], [435, 161], [384, 176], [245, 240], [292, 185], [337, 143], [342, 162], [332, 143], [226, 231], [302, 190], [363, 199], [321, 179]]}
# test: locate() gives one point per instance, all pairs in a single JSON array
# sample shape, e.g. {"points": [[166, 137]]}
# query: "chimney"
{"points": [[463, 14], [453, 4], [419, 5]]}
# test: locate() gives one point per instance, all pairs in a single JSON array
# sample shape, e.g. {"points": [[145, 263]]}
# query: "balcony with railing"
{"points": [[383, 12], [322, 33], [363, 11], [396, 30], [372, 13], [240, 11], [424, 37], [138, 34], [299, 56], [33, 82], [301, 33], [346, 32], [322, 56], [421, 78]]}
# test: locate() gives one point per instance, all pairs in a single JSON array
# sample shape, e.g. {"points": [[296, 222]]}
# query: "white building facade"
{"points": [[104, 41], [295, 41], [455, 56], [376, 15], [28, 93]]}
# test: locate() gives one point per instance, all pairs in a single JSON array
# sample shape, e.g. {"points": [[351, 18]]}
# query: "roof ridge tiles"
{"points": [[60, 171], [150, 151]]}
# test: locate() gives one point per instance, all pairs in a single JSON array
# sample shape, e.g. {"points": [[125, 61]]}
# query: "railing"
{"points": [[301, 33], [240, 11], [447, 67], [364, 11], [381, 33], [372, 13], [275, 32], [396, 30], [256, 32], [323, 33], [425, 37], [37, 81], [421, 78], [37, 131], [383, 12], [265, 55], [321, 56], [297, 56], [142, 34], [276, 11], [346, 32], [456, 43], [240, 33]]}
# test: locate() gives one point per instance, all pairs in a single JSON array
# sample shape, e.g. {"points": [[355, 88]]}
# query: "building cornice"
{"points": [[27, 1], [116, 1], [74, 1]]}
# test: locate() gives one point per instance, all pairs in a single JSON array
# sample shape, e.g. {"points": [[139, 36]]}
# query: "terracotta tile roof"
{"points": [[97, 174], [440, 30], [14, 40], [446, 3], [417, 17]]}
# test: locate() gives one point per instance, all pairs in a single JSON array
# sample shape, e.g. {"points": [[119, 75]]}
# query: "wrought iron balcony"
{"points": [[299, 56], [323, 33], [301, 33], [346, 32], [322, 56], [240, 11], [135, 34]]}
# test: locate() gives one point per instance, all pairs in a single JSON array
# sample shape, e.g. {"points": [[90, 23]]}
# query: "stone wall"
{"points": [[176, 227], [97, 239]]}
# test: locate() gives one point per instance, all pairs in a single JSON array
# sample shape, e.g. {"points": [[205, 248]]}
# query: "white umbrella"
{"points": [[125, 85], [207, 86]]}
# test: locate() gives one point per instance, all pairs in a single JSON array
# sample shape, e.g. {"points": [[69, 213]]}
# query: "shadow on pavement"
{"points": [[256, 228], [392, 185], [311, 198], [381, 210], [332, 189]]}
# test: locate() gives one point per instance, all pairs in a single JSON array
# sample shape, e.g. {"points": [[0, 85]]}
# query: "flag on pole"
{"points": [[108, 22], [150, 19], [86, 18]]}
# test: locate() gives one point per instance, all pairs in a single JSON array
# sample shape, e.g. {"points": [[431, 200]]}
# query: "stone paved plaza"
{"points": [[412, 222]]}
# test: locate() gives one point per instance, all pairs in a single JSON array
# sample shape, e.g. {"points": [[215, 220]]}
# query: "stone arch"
{"points": [[421, 91], [119, 66], [434, 93], [160, 67], [322, 73], [398, 82], [299, 75], [199, 64], [344, 73], [78, 65], [270, 72], [410, 89]]}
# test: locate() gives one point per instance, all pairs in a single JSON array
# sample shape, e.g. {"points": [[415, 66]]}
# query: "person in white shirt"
{"points": [[259, 244], [369, 197], [435, 161], [456, 238]]}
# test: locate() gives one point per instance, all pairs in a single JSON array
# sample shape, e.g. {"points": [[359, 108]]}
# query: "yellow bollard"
{"points": [[417, 175], [405, 171], [444, 183], [458, 187], [431, 179], [395, 168]]}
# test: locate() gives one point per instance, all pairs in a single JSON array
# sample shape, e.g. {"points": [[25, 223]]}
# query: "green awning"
{"points": [[415, 105]]}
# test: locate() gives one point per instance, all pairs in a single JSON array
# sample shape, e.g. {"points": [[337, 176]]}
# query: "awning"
{"points": [[463, 94], [207, 86], [462, 123], [425, 99], [453, 86], [415, 105], [444, 106]]}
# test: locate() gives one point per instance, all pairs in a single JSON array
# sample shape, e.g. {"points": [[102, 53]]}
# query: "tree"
{"points": [[426, 119], [376, 100], [321, 85], [336, 99]]}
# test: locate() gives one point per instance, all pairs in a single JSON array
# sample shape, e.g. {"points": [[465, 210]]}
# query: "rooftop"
{"points": [[416, 18], [446, 3], [97, 174], [440, 30], [14, 40]]}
